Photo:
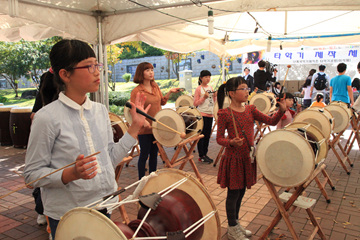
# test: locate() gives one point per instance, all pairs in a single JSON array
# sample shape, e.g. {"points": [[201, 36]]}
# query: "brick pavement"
{"points": [[339, 219]]}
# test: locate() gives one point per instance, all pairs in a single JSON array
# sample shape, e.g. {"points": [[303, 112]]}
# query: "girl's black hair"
{"points": [[66, 54], [203, 73], [307, 82], [49, 89], [287, 95], [231, 85], [319, 97]]}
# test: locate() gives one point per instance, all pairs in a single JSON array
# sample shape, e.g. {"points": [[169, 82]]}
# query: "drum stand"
{"points": [[260, 129], [336, 141], [175, 161], [354, 135], [321, 185], [292, 201]]}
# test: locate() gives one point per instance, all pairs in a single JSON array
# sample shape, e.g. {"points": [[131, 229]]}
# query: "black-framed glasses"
{"points": [[92, 67], [244, 89]]}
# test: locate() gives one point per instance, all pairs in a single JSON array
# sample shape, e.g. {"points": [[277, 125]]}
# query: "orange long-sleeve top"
{"points": [[155, 98]]}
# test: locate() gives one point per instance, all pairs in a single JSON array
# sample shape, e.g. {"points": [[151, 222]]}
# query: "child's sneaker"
{"points": [[204, 160], [209, 159]]}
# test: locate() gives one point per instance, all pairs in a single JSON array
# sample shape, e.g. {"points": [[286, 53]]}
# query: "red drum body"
{"points": [[20, 123], [5, 137]]}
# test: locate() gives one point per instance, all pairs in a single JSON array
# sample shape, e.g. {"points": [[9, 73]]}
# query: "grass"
{"points": [[120, 87]]}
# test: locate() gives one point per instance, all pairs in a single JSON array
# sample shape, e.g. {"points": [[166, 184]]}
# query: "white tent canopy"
{"points": [[181, 25]]}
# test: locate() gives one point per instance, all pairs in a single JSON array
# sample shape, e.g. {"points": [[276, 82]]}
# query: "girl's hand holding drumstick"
{"points": [[84, 168], [138, 120], [236, 142]]}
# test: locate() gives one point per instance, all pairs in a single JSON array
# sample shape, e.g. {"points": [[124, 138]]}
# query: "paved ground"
{"points": [[340, 219]]}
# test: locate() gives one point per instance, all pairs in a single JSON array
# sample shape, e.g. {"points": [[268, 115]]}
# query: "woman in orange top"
{"points": [[144, 76], [319, 101]]}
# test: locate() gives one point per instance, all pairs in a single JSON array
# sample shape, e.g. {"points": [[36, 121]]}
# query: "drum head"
{"points": [[184, 100], [319, 137], [193, 120], [195, 189], [261, 102], [272, 98], [87, 224], [285, 158], [118, 126], [341, 117], [127, 115], [163, 135], [21, 110], [343, 105], [316, 118], [226, 104], [327, 114]]}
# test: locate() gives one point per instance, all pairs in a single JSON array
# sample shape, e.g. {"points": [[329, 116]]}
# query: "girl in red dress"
{"points": [[237, 171]]}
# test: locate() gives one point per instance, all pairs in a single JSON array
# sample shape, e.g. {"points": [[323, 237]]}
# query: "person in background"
{"points": [[144, 76], [340, 86], [204, 99], [306, 89], [72, 127], [289, 114], [319, 82], [249, 79], [319, 101], [261, 77], [277, 88], [237, 171], [48, 92], [356, 84]]}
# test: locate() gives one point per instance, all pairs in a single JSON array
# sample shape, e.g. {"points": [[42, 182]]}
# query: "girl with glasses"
{"points": [[72, 127], [237, 171]]}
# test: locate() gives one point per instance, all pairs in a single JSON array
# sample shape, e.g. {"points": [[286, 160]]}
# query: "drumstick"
{"points": [[182, 135], [282, 87], [236, 131], [26, 185]]}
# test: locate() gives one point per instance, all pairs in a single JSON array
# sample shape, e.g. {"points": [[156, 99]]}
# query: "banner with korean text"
{"points": [[335, 56]]}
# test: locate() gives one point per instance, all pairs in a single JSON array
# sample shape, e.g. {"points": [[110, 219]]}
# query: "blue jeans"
{"points": [[147, 149]]}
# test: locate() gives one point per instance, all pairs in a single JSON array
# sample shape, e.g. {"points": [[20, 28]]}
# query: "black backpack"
{"points": [[320, 82]]}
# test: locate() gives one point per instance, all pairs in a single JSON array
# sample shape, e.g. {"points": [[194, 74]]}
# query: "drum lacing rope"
{"points": [[191, 229], [163, 194]]}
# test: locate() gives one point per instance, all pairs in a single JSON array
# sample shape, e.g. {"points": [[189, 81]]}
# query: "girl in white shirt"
{"points": [[73, 127], [204, 99]]}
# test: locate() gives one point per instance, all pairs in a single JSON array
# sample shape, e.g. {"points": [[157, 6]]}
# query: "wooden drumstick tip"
{"points": [[183, 135], [289, 66]]}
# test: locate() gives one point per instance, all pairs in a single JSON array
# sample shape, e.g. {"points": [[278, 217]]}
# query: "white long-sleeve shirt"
{"points": [[59, 133]]}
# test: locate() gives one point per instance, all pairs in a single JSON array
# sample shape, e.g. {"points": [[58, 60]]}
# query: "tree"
{"points": [[24, 58], [138, 50], [113, 53], [175, 58]]}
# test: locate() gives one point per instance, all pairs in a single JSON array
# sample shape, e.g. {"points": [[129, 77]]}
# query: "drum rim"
{"points": [[91, 212], [195, 112], [324, 148], [261, 95], [115, 118], [180, 124], [326, 112], [329, 129], [127, 115], [194, 182], [342, 111], [190, 99], [282, 182], [344, 106]]}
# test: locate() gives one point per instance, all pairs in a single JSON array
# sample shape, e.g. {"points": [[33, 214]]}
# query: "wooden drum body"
{"points": [[185, 119], [320, 118], [20, 123], [285, 158], [341, 117], [315, 135], [264, 102], [5, 137], [118, 126], [184, 101], [187, 204]]}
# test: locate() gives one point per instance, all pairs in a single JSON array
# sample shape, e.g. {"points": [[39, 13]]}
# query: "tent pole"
{"points": [[106, 82], [223, 68], [101, 58]]}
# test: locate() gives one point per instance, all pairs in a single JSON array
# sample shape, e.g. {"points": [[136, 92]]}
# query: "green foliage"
{"points": [[118, 98], [127, 77], [140, 50], [118, 110], [3, 99]]}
